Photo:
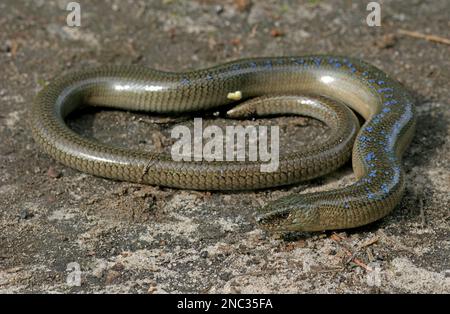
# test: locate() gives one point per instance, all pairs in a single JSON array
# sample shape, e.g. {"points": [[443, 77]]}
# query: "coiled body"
{"points": [[384, 103]]}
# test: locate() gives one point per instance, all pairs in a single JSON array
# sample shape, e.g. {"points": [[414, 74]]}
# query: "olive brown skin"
{"points": [[323, 86]]}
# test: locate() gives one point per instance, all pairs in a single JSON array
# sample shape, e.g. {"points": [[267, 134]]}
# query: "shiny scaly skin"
{"points": [[387, 107]]}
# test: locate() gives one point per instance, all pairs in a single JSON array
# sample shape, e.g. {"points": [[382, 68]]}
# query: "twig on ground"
{"points": [[352, 257], [422, 213], [433, 38], [369, 253], [369, 242], [391, 240]]}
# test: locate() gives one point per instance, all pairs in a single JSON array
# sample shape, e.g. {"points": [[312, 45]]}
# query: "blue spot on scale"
{"points": [[337, 65], [386, 89], [386, 110], [373, 174], [390, 102], [317, 61], [385, 188], [369, 129], [370, 156], [332, 60], [268, 64], [364, 138], [252, 64], [185, 81]]}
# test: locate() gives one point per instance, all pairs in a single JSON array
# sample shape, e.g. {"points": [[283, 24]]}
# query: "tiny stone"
{"points": [[111, 276], [301, 243], [118, 267], [53, 173], [242, 5], [387, 41], [204, 254], [226, 276], [25, 214], [218, 9], [6, 47]]}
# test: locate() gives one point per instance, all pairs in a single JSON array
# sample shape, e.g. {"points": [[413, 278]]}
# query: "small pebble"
{"points": [[118, 267], [387, 41], [25, 214], [53, 173], [276, 33], [242, 5], [111, 276], [218, 9]]}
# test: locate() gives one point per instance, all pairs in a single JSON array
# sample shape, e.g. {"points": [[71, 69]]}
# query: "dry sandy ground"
{"points": [[135, 238]]}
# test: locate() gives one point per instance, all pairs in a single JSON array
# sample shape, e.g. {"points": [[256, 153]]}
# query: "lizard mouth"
{"points": [[278, 220]]}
